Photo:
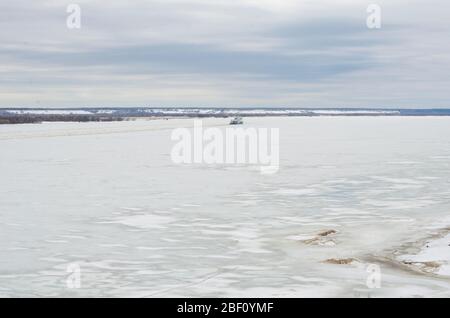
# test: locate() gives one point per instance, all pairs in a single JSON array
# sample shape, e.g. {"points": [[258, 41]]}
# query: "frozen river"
{"points": [[107, 198]]}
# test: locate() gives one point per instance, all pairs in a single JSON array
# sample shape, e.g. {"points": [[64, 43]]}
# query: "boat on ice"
{"points": [[237, 121]]}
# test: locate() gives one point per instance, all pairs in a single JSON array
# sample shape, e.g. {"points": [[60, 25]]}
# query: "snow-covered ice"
{"points": [[107, 196]]}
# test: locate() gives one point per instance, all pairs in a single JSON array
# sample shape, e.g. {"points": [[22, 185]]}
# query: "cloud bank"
{"points": [[291, 53]]}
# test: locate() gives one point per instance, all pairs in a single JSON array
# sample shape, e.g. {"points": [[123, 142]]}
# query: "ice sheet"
{"points": [[107, 197]]}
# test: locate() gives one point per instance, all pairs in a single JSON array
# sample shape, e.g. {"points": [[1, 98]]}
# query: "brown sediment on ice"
{"points": [[322, 238], [427, 256], [340, 261], [426, 266], [327, 232], [419, 268]]}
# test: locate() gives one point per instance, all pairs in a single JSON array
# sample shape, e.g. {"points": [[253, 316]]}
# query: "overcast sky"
{"points": [[273, 53]]}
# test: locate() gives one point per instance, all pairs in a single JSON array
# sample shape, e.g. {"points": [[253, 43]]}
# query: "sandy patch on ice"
{"points": [[323, 238], [340, 261], [433, 257]]}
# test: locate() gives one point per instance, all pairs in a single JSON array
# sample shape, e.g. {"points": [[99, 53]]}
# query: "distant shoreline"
{"points": [[38, 115]]}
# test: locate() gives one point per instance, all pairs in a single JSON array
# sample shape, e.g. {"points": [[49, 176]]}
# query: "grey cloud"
{"points": [[202, 59], [244, 50]]}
